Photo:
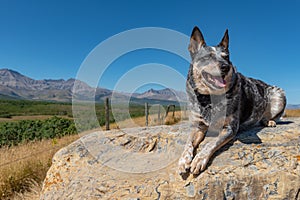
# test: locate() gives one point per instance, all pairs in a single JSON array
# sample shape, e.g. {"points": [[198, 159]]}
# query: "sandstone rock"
{"points": [[141, 163]]}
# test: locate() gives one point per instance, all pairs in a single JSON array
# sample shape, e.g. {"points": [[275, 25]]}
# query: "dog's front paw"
{"points": [[271, 123], [199, 163], [185, 160]]}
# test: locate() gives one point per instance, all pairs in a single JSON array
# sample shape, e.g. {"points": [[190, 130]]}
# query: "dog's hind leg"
{"points": [[276, 106]]}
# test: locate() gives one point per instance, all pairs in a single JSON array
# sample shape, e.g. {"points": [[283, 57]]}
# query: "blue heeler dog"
{"points": [[247, 101]]}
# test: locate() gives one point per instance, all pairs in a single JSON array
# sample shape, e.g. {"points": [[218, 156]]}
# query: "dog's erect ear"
{"points": [[225, 41], [196, 40]]}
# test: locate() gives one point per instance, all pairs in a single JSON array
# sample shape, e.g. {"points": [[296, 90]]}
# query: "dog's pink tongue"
{"points": [[219, 81]]}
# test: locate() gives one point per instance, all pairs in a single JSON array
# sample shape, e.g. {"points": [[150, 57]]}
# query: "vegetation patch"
{"points": [[13, 133], [24, 167], [292, 113]]}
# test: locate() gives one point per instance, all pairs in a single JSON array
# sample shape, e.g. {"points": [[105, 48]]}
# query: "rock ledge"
{"points": [[141, 163]]}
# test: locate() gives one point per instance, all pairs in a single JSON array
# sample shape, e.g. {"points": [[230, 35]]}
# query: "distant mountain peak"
{"points": [[16, 85], [164, 94], [5, 70]]}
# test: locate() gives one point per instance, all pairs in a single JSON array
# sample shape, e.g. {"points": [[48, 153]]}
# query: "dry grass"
{"points": [[24, 167], [292, 113], [32, 194]]}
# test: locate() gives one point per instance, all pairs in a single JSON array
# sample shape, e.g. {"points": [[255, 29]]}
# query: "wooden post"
{"points": [[158, 117], [168, 109], [174, 111], [184, 111], [167, 112], [107, 114], [146, 113]]}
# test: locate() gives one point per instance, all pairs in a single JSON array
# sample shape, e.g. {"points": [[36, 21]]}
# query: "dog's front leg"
{"points": [[193, 141], [200, 161]]}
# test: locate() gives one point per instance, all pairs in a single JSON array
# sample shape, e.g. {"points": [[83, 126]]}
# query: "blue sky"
{"points": [[50, 39]]}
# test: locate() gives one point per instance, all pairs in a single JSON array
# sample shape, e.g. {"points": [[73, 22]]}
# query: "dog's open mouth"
{"points": [[216, 81]]}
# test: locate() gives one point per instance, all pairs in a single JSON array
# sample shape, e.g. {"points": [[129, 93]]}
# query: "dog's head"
{"points": [[212, 71]]}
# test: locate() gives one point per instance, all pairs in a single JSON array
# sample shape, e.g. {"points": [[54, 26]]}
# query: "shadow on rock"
{"points": [[285, 122], [249, 136]]}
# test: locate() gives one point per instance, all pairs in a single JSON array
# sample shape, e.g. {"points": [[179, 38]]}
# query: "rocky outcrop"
{"points": [[141, 163]]}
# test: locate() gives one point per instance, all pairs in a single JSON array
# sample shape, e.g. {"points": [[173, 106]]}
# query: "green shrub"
{"points": [[13, 133]]}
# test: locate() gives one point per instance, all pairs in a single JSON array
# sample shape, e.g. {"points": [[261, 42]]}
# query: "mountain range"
{"points": [[14, 85]]}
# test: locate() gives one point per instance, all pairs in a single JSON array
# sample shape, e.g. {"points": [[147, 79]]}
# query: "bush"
{"points": [[13, 133], [5, 115]]}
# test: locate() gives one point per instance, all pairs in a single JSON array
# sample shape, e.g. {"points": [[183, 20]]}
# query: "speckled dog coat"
{"points": [[244, 101]]}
